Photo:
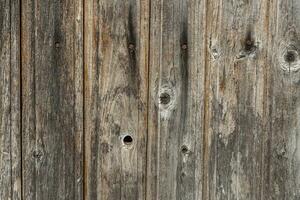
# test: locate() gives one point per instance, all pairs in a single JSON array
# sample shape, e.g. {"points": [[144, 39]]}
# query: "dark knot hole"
{"points": [[164, 98], [290, 57], [184, 149]]}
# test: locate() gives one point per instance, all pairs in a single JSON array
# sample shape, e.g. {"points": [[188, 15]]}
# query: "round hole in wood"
{"points": [[164, 98], [127, 139]]}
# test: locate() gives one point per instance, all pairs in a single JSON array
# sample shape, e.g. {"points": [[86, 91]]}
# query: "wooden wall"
{"points": [[150, 99]]}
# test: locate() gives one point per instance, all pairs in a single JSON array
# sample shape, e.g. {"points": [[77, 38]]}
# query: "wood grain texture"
{"points": [[252, 140], [10, 149], [116, 84], [236, 89], [176, 99], [150, 99], [253, 101], [282, 174], [52, 99]]}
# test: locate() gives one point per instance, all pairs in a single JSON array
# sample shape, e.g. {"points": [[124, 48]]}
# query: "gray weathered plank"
{"points": [[282, 151], [52, 99], [176, 99], [252, 145], [116, 61], [236, 88], [10, 146]]}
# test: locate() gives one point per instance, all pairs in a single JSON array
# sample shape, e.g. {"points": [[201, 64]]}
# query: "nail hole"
{"points": [[127, 140], [184, 149], [164, 98], [290, 57]]}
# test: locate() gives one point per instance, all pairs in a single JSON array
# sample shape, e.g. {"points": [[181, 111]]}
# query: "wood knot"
{"points": [[214, 49], [131, 47], [166, 101], [184, 46], [289, 58], [37, 154], [185, 149], [281, 152], [164, 98], [249, 47], [215, 53]]}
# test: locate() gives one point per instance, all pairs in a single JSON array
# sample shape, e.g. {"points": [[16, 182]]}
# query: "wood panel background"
{"points": [[150, 99]]}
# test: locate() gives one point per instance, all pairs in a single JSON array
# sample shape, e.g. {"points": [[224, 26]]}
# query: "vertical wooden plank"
{"points": [[237, 46], [116, 84], [52, 97], [176, 100], [10, 149], [282, 153]]}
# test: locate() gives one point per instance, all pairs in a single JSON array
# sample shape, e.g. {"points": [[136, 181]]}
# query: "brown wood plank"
{"points": [[236, 88], [52, 99], [252, 110], [282, 145], [176, 99], [116, 59], [10, 146]]}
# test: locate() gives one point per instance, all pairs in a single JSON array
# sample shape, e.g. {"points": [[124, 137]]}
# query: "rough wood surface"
{"points": [[150, 99], [282, 172], [176, 99], [116, 56], [252, 143], [10, 149], [236, 107], [52, 99]]}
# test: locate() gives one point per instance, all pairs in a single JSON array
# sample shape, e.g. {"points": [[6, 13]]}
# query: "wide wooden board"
{"points": [[176, 99], [52, 99], [116, 88]]}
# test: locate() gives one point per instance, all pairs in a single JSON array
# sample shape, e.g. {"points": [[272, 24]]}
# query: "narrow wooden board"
{"points": [[176, 99], [116, 85], [52, 99], [282, 151], [10, 146]]}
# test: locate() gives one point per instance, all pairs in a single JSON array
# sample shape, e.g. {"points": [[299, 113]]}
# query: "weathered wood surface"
{"points": [[150, 99], [282, 172], [176, 99], [251, 140], [52, 99], [10, 138], [236, 107], [116, 84]]}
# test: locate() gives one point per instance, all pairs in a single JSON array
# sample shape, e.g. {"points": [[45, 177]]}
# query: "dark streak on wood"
{"points": [[52, 99], [10, 126], [116, 90]]}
